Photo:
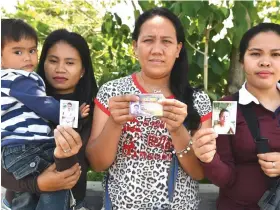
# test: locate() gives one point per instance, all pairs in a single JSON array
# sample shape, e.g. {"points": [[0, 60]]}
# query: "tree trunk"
{"points": [[205, 65], [236, 73]]}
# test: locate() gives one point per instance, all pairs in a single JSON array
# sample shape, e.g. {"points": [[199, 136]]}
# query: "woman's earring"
{"points": [[81, 76]]}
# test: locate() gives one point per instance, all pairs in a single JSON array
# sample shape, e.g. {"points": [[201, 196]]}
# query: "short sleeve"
{"points": [[202, 104], [106, 91]]}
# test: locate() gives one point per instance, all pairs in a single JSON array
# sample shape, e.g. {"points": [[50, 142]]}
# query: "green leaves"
{"points": [[190, 8], [216, 66], [222, 47], [241, 22], [110, 40]]}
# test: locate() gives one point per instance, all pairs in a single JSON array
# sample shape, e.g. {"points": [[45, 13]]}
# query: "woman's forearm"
{"points": [[28, 184], [189, 161], [101, 151], [65, 163]]}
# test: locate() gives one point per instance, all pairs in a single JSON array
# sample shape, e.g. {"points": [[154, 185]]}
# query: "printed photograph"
{"points": [[69, 113], [224, 117], [147, 105]]}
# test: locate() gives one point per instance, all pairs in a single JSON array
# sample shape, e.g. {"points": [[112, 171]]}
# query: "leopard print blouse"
{"points": [[138, 176]]}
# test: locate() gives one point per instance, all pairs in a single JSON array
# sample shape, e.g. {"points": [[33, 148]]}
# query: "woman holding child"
{"points": [[140, 152], [65, 66]]}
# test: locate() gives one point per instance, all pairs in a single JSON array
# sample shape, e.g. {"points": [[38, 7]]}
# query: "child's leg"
{"points": [[8, 198], [24, 201], [26, 160], [58, 200]]}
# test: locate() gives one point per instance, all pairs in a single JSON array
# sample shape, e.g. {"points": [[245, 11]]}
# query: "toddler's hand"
{"points": [[84, 110]]}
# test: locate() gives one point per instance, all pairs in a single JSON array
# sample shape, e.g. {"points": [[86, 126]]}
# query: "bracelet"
{"points": [[184, 151]]}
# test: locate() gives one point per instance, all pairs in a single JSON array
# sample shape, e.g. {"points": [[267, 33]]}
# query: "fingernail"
{"points": [[58, 126]]}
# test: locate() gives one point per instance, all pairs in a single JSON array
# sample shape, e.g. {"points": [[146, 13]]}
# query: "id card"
{"points": [[224, 117], [147, 105], [69, 113]]}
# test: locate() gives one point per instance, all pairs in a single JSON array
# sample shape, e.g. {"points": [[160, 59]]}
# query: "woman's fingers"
{"points": [[63, 138], [270, 164], [120, 112], [205, 149], [72, 180], [204, 144], [172, 103], [174, 113], [266, 165], [68, 142], [74, 134], [270, 156], [119, 108], [206, 139], [70, 136], [118, 105], [204, 136], [270, 172], [208, 157], [122, 101], [71, 171]]}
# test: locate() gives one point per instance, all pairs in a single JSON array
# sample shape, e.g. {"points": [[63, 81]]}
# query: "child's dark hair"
{"points": [[179, 83], [252, 32], [15, 30]]}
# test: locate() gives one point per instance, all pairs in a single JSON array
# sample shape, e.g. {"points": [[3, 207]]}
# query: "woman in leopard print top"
{"points": [[137, 150]]}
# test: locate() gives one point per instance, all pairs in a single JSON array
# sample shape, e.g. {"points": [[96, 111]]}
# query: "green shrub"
{"points": [[95, 176]]}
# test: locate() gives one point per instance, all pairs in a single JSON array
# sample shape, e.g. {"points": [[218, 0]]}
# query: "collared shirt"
{"points": [[245, 97], [235, 168]]}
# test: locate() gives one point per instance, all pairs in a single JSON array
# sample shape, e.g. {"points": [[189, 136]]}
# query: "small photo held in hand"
{"points": [[224, 117], [69, 113], [147, 105]]}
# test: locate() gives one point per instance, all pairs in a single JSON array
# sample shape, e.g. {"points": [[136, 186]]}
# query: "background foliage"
{"points": [[213, 32]]}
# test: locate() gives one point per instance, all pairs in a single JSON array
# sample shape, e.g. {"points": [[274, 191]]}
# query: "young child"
{"points": [[27, 140]]}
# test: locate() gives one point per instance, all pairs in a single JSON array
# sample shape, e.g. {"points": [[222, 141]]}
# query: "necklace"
{"points": [[151, 88]]}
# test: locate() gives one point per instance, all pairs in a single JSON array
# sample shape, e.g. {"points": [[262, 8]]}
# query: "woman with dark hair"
{"points": [[242, 174], [66, 68], [141, 151]]}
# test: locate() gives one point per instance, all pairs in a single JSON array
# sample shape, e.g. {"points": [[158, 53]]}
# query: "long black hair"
{"points": [[179, 84], [86, 89]]}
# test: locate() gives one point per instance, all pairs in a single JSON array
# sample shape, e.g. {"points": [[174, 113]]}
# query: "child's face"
{"points": [[20, 55]]}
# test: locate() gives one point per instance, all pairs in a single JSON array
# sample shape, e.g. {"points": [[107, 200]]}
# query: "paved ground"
{"points": [[208, 195]]}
